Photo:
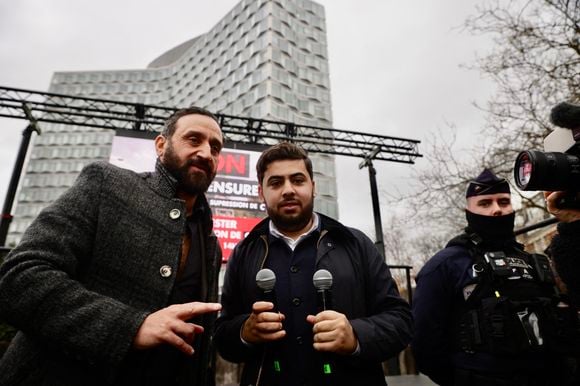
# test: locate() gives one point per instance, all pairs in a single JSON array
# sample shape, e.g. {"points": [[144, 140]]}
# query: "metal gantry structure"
{"points": [[106, 114], [42, 107]]}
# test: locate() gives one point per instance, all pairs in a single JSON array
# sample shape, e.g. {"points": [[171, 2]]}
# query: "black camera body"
{"points": [[557, 168]]}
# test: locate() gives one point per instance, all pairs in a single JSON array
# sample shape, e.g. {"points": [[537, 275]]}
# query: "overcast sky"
{"points": [[395, 67]]}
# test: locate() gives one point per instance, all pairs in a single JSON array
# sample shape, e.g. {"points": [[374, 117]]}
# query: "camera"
{"points": [[557, 168]]}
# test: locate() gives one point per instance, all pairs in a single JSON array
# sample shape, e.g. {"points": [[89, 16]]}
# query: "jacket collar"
{"points": [[326, 224], [471, 239], [164, 183]]}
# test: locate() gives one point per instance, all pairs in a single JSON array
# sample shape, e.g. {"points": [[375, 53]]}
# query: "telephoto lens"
{"points": [[552, 171]]}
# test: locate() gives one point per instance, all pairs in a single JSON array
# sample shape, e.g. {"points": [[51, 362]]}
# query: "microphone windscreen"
{"points": [[265, 279], [566, 115], [322, 279]]}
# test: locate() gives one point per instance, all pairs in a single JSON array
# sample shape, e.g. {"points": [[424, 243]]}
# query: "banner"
{"points": [[232, 196]]}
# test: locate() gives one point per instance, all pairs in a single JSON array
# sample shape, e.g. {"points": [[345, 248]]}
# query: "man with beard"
{"points": [[115, 282], [483, 308], [290, 345]]}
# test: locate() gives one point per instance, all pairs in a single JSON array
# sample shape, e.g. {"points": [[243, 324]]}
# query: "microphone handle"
{"points": [[273, 369], [326, 365], [270, 296], [272, 363], [324, 300]]}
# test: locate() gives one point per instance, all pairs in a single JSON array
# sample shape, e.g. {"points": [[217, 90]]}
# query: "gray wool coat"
{"points": [[89, 270]]}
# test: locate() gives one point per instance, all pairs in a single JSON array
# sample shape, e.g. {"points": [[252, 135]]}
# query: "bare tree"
{"points": [[535, 64], [396, 241], [403, 248]]}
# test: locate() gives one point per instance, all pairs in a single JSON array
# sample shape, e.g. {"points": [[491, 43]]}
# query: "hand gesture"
{"points": [[169, 326], [263, 325], [332, 332]]}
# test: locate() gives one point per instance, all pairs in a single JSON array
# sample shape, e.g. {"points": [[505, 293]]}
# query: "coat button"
{"points": [[299, 340], [174, 214], [296, 301], [165, 271], [294, 269]]}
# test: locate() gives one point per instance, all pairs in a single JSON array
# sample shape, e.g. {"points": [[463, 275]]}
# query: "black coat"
{"points": [[565, 250], [89, 270], [363, 290]]}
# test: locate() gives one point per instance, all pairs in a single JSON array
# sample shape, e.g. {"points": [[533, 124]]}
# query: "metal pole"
{"points": [[368, 162], [409, 285], [6, 217], [392, 364], [550, 221], [380, 243], [407, 269]]}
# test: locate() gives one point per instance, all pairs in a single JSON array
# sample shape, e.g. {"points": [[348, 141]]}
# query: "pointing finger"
{"points": [[188, 310]]}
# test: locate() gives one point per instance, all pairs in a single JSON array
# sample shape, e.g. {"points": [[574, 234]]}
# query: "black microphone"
{"points": [[566, 115], [266, 281], [322, 280]]}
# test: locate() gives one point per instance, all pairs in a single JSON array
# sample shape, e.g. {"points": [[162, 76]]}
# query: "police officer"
{"points": [[484, 309]]}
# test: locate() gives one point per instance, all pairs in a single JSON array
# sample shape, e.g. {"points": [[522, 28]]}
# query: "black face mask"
{"points": [[492, 228]]}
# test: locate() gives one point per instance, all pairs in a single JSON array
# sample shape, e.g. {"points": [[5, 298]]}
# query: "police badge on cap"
{"points": [[487, 183]]}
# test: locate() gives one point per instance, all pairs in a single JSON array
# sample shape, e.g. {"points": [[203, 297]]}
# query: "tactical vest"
{"points": [[514, 306]]}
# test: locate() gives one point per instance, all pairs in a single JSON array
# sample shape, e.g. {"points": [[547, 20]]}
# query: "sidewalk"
{"points": [[409, 380]]}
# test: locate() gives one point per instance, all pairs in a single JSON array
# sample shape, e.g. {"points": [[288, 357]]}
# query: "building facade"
{"points": [[265, 59]]}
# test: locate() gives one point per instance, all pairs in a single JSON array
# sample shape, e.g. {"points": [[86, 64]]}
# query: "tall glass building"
{"points": [[265, 59]]}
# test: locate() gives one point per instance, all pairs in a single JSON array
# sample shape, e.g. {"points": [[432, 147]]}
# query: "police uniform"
{"points": [[485, 311]]}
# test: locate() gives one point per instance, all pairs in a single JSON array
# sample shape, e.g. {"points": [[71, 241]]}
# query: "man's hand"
{"points": [[169, 326], [332, 332], [564, 215], [263, 325]]}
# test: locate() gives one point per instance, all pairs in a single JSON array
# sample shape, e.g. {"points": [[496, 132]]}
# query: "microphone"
{"points": [[266, 281], [566, 115], [322, 281], [566, 136]]}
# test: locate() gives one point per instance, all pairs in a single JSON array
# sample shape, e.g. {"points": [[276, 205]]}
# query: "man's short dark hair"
{"points": [[169, 126], [281, 152]]}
